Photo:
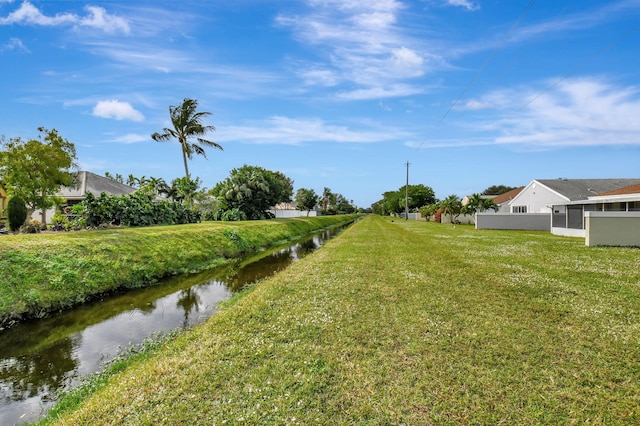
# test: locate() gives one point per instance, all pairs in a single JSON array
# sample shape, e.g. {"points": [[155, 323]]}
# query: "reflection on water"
{"points": [[42, 357]]}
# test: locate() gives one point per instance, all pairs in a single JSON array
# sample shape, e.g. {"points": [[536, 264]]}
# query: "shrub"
{"points": [[31, 228], [137, 209], [16, 213], [233, 215], [58, 221]]}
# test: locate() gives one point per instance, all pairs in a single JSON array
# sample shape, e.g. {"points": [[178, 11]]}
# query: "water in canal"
{"points": [[43, 357]]}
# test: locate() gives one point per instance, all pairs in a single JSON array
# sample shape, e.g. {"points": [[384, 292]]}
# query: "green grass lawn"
{"points": [[402, 322], [40, 273]]}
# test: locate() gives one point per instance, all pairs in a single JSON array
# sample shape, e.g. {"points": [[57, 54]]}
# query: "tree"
{"points": [[419, 195], [333, 203], [184, 190], [156, 185], [306, 199], [429, 210], [497, 189], [393, 202], [254, 190], [187, 124], [34, 170], [118, 177], [478, 204], [452, 205], [16, 213], [328, 200], [343, 206]]}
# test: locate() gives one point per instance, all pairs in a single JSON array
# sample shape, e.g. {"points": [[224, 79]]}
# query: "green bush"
{"points": [[233, 215], [137, 209], [16, 213]]}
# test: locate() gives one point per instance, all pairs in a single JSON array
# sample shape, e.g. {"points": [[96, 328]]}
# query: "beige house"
{"points": [[3, 202], [86, 182]]}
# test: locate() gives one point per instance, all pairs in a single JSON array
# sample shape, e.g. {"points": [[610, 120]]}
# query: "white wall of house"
{"points": [[522, 221], [278, 213], [568, 232], [464, 219], [536, 198], [612, 229]]}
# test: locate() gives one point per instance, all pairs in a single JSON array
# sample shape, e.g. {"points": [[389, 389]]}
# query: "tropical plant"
{"points": [[334, 203], [34, 170], [156, 185], [478, 204], [428, 211], [118, 177], [328, 200], [452, 206], [254, 190], [184, 189], [137, 209], [187, 124]]}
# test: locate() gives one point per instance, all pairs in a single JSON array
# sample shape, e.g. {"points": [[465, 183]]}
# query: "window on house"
{"points": [[615, 207], [519, 209]]}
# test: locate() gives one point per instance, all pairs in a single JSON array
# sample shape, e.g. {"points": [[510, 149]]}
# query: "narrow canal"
{"points": [[41, 358]]}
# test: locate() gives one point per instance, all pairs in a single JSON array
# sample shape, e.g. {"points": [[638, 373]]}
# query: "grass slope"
{"points": [[403, 323], [45, 272]]}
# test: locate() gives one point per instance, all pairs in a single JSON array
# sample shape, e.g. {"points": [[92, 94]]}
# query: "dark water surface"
{"points": [[42, 357]]}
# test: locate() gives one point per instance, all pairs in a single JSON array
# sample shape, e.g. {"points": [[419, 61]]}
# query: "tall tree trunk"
{"points": [[184, 158]]}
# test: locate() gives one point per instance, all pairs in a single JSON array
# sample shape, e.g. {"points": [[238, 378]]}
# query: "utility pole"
{"points": [[406, 196]]}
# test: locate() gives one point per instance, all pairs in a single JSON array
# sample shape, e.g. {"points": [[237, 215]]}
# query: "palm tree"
{"points": [[478, 204], [451, 206], [187, 123], [158, 185]]}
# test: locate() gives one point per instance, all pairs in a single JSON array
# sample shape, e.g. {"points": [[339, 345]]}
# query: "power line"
{"points": [[486, 62]]}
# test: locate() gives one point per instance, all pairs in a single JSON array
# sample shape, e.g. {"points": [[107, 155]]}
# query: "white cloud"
{"points": [[14, 44], [575, 112], [291, 131], [29, 14], [463, 3], [392, 91], [363, 42], [97, 18], [130, 138], [117, 110], [406, 62], [320, 77]]}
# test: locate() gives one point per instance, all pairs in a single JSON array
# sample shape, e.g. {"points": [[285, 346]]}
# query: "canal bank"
{"points": [[45, 273], [41, 358]]}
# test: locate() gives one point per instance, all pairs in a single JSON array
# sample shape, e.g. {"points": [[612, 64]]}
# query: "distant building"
{"points": [[291, 210], [555, 205], [85, 183]]}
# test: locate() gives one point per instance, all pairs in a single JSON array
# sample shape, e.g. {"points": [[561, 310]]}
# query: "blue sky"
{"points": [[335, 93]]}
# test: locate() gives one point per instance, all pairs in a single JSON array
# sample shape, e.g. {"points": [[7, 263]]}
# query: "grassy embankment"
{"points": [[402, 323], [45, 272]]}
